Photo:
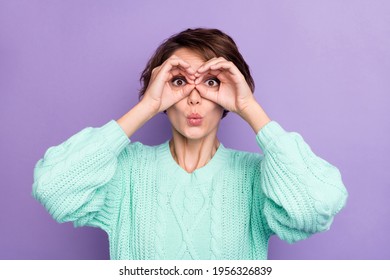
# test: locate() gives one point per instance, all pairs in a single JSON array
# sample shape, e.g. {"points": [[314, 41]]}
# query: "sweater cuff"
{"points": [[115, 137], [268, 134]]}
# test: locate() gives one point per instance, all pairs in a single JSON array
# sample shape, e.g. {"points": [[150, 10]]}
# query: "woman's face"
{"points": [[195, 117]]}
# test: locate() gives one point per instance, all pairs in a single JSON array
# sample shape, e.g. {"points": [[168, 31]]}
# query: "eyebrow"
{"points": [[179, 76], [211, 77]]}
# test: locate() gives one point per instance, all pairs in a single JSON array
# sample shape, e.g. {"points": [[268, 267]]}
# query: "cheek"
{"points": [[173, 113], [214, 115], [173, 110], [217, 111]]}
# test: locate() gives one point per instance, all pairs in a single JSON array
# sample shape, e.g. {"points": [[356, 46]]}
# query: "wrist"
{"points": [[255, 116], [135, 118], [248, 110], [146, 110]]}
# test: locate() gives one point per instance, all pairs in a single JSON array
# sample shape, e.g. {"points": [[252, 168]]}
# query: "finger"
{"points": [[206, 76], [187, 73], [205, 92], [184, 92], [218, 69], [155, 71], [176, 61], [173, 68], [226, 65], [187, 90], [206, 65], [203, 68], [188, 69], [176, 72]]}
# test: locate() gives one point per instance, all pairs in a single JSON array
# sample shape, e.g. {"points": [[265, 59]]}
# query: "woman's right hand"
{"points": [[163, 90]]}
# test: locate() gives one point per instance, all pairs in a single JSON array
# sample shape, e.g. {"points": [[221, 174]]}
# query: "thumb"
{"points": [[185, 91], [205, 92]]}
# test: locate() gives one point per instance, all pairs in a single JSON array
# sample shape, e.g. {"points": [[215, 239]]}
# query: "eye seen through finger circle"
{"points": [[212, 82], [179, 81]]}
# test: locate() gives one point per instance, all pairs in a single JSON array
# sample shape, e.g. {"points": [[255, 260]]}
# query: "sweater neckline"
{"points": [[204, 173]]}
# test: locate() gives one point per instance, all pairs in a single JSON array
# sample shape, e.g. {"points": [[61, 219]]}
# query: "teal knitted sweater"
{"points": [[151, 208]]}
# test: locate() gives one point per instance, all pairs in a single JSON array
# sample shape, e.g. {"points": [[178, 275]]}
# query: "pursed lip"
{"points": [[194, 116]]}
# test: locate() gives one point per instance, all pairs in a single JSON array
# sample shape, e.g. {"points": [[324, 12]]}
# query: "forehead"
{"points": [[190, 56]]}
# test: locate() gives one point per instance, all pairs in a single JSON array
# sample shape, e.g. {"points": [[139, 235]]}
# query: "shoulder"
{"points": [[244, 159], [240, 155], [138, 149], [243, 166]]}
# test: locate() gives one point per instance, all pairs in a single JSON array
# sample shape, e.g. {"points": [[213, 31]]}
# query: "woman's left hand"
{"points": [[231, 90]]}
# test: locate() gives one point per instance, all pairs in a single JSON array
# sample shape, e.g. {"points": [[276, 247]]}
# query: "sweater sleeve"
{"points": [[71, 180], [303, 192]]}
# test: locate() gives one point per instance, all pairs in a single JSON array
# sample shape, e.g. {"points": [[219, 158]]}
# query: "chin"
{"points": [[194, 135], [191, 133]]}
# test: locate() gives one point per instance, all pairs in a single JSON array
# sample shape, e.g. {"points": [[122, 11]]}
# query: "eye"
{"points": [[212, 82], [178, 81]]}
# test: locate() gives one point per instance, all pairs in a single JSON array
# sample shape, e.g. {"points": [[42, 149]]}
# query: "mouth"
{"points": [[194, 116], [194, 120]]}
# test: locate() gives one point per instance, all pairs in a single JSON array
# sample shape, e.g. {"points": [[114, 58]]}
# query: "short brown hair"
{"points": [[208, 43]]}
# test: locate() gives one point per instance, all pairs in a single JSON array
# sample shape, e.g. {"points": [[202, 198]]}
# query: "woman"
{"points": [[190, 197]]}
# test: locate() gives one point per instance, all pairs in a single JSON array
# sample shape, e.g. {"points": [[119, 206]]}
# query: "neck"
{"points": [[192, 154]]}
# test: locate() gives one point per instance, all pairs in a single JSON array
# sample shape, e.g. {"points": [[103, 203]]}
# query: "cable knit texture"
{"points": [[151, 208]]}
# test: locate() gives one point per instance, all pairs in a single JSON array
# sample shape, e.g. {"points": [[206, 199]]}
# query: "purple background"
{"points": [[321, 68]]}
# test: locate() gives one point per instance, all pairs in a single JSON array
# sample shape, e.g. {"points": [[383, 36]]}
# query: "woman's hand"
{"points": [[164, 89], [232, 92]]}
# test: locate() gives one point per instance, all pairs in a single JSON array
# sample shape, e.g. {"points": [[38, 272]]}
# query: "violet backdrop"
{"points": [[322, 69]]}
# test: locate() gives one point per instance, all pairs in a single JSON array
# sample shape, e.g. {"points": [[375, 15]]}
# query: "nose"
{"points": [[194, 97]]}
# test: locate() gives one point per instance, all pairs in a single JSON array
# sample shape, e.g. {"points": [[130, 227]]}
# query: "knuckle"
{"points": [[173, 58], [156, 69]]}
